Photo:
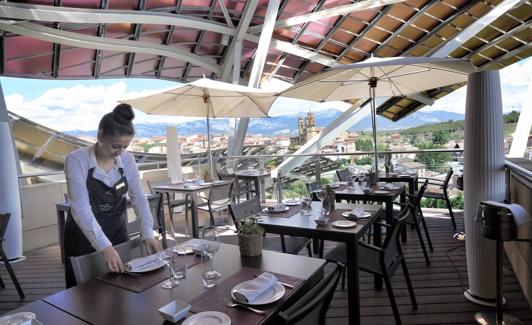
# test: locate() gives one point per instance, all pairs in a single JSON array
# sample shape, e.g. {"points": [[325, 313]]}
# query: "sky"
{"points": [[66, 105]]}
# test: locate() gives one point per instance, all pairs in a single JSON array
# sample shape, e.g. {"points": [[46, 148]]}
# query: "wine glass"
{"points": [[168, 259], [210, 244], [306, 202], [320, 194]]}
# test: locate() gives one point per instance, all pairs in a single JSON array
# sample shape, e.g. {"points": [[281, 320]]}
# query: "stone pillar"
{"points": [[9, 187], [483, 178]]}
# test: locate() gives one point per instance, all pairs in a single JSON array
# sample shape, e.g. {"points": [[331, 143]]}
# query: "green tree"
{"points": [[436, 160], [364, 145], [364, 161], [439, 137], [511, 117]]}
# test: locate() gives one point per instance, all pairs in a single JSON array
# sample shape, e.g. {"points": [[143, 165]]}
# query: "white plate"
{"points": [[381, 192], [150, 267], [335, 185], [292, 202], [364, 215], [20, 318], [208, 318], [273, 294], [286, 208], [343, 224]]}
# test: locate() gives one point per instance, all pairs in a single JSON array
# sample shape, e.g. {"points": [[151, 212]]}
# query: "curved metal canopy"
{"points": [[184, 40]]}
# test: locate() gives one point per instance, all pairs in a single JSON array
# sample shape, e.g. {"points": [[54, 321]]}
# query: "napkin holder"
{"points": [[373, 178]]}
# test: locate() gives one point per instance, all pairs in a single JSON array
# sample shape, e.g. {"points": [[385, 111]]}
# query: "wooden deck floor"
{"points": [[439, 288]]}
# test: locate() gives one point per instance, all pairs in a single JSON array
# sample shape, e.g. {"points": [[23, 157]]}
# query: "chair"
{"points": [[443, 195], [311, 309], [415, 217], [343, 175], [172, 202], [89, 266], [285, 244], [4, 221], [383, 260], [311, 187], [218, 199], [239, 187], [156, 209]]}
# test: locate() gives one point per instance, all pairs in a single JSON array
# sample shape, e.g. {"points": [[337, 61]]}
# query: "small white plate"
{"points": [[348, 214], [273, 294], [150, 267], [335, 185], [286, 208], [292, 202], [343, 224], [381, 192], [208, 317]]}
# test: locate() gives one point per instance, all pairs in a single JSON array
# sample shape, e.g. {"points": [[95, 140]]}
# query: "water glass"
{"points": [[210, 244], [209, 276], [169, 259], [182, 261], [306, 203]]}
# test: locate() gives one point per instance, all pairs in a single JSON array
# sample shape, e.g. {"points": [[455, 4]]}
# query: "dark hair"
{"points": [[117, 123]]}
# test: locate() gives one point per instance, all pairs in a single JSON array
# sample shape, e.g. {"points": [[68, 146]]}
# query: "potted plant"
{"points": [[250, 236]]}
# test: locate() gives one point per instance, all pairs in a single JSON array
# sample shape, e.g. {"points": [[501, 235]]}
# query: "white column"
{"points": [[9, 187], [483, 178]]}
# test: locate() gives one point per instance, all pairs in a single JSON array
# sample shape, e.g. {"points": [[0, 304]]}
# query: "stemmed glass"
{"points": [[210, 244], [306, 202], [168, 259], [320, 194]]}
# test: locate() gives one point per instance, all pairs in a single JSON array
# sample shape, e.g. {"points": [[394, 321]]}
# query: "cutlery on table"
{"points": [[234, 304], [289, 286]]}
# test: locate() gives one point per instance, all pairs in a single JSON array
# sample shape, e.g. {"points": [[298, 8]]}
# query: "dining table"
{"points": [[295, 223], [411, 178], [191, 191], [101, 301], [259, 180]]}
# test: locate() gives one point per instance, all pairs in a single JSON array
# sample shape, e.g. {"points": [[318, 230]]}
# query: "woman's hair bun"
{"points": [[123, 113]]}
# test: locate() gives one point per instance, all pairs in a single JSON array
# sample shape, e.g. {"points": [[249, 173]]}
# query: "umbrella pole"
{"points": [[211, 165], [374, 126]]}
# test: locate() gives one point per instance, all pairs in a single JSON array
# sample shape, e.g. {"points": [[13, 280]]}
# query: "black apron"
{"points": [[108, 204]]}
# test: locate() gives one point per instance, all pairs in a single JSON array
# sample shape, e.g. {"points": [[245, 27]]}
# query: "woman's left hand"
{"points": [[152, 245]]}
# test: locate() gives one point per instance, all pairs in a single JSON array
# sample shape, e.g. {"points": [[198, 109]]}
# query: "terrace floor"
{"points": [[439, 288]]}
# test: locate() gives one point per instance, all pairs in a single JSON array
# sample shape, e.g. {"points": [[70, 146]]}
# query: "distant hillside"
{"points": [[287, 124]]}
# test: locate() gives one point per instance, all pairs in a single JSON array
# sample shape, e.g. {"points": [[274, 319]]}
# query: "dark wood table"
{"points": [[411, 179], [48, 314], [304, 226], [190, 192], [259, 179], [98, 302]]}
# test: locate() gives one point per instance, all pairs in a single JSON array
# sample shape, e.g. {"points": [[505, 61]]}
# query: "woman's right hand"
{"points": [[113, 260]]}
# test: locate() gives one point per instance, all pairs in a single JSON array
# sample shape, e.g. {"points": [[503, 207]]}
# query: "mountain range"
{"points": [[287, 124]]}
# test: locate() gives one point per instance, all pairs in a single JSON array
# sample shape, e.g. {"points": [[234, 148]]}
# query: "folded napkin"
{"points": [[357, 212], [255, 288], [141, 263], [279, 207]]}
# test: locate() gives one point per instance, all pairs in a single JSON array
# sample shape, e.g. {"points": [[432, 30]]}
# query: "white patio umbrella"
{"points": [[378, 77], [207, 98]]}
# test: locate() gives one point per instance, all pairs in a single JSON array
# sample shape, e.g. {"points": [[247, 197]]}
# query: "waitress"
{"points": [[98, 178]]}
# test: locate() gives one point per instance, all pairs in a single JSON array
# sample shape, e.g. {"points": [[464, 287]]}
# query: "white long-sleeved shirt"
{"points": [[77, 165]]}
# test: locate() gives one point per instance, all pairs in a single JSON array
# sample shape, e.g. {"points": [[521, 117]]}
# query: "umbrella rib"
{"points": [[392, 82]]}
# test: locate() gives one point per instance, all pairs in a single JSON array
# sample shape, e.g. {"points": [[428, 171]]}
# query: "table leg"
{"points": [[61, 217], [353, 289], [194, 214], [377, 241]]}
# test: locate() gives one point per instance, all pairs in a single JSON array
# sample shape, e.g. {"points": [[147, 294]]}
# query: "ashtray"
{"points": [[174, 311]]}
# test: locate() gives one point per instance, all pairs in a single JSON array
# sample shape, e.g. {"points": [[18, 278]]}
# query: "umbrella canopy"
{"points": [[377, 77], [396, 76], [207, 98]]}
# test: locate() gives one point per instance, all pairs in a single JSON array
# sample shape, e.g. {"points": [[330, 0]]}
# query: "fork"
{"points": [[233, 304]]}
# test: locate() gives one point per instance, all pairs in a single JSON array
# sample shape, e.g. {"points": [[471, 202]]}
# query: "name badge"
{"points": [[120, 185]]}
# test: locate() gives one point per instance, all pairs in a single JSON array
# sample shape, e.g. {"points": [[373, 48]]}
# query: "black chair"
{"points": [[285, 244], [343, 175], [311, 187], [240, 188], [155, 202], [4, 221], [443, 195], [311, 309], [218, 199], [416, 217], [383, 260], [171, 202]]}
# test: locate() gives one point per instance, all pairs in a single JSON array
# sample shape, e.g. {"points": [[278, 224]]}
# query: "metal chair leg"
{"points": [[426, 231], [409, 284], [449, 207], [391, 296], [11, 273], [422, 242]]}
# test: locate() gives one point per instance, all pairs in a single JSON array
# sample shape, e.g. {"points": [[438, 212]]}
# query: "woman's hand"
{"points": [[113, 260], [152, 245]]}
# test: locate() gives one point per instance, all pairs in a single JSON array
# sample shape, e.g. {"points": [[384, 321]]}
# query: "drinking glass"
{"points": [[168, 259], [306, 202], [320, 194], [210, 244], [183, 253]]}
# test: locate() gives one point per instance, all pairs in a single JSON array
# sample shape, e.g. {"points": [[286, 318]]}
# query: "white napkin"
{"points": [[255, 288], [279, 207], [140, 263]]}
